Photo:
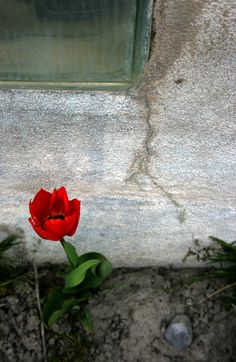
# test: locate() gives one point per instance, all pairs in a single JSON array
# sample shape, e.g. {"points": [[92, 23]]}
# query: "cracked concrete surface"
{"points": [[140, 166], [154, 167]]}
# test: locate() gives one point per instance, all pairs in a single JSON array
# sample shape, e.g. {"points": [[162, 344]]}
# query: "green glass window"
{"points": [[83, 44]]}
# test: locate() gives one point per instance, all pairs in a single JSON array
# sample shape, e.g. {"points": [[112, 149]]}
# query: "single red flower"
{"points": [[52, 215]]}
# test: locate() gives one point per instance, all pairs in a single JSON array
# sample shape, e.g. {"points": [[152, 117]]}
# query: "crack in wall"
{"points": [[141, 160], [140, 165]]}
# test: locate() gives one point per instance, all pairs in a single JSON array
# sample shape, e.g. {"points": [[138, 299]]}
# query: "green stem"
{"points": [[62, 243], [70, 253]]}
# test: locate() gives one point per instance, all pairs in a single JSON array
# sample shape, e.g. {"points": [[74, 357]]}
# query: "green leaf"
{"points": [[73, 290], [71, 254], [76, 276], [104, 269], [57, 304], [227, 247], [54, 317], [8, 243], [91, 280], [88, 256], [53, 303], [96, 275], [86, 321], [226, 255], [67, 305]]}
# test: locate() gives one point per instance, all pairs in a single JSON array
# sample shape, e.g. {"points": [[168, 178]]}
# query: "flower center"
{"points": [[60, 217]]}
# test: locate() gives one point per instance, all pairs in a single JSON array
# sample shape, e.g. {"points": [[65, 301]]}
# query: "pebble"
{"points": [[189, 301], [163, 329], [32, 323], [179, 332], [115, 335], [51, 341]]}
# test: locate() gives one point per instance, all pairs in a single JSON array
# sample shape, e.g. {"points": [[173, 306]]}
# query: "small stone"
{"points": [[179, 332], [10, 351], [163, 329], [189, 301], [32, 323], [51, 341], [115, 335]]}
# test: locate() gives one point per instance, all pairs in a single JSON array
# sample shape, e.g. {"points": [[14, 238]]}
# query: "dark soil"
{"points": [[129, 320]]}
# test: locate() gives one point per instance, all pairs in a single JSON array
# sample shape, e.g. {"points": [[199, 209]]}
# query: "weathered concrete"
{"points": [[155, 167]]}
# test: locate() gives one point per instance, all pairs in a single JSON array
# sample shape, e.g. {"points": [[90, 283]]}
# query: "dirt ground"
{"points": [[130, 315]]}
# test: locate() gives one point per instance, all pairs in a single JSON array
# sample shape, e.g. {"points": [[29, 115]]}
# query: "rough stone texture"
{"points": [[154, 167]]}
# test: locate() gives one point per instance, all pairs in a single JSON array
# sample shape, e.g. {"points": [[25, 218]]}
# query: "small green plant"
{"points": [[225, 255], [83, 277], [222, 257], [6, 265], [53, 216], [7, 243]]}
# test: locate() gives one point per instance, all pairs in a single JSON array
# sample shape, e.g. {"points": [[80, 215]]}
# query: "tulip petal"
{"points": [[56, 227], [63, 197], [42, 233], [34, 221], [59, 204], [74, 206], [71, 224], [39, 207]]}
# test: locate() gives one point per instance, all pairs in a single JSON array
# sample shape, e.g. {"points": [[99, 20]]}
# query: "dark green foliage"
{"points": [[85, 274], [7, 270], [7, 243], [225, 255]]}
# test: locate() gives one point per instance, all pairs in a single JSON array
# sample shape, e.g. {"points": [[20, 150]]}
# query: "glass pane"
{"points": [[90, 43]]}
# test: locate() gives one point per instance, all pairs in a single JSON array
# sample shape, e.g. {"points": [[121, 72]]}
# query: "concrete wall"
{"points": [[154, 167]]}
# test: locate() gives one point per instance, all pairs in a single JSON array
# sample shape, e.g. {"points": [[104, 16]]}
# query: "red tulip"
{"points": [[52, 215]]}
